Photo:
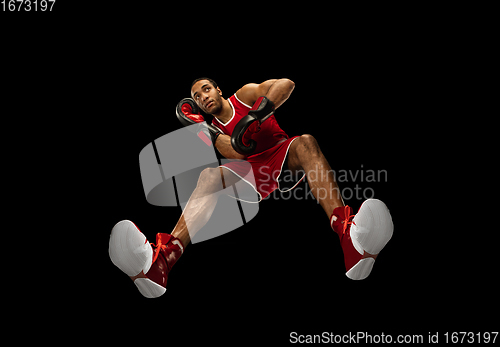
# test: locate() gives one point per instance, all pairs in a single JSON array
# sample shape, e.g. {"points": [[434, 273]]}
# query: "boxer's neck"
{"points": [[226, 112]]}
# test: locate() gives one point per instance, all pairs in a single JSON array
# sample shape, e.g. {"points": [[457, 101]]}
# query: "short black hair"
{"points": [[204, 78]]}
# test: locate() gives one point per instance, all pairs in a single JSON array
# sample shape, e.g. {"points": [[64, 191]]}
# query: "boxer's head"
{"points": [[207, 95]]}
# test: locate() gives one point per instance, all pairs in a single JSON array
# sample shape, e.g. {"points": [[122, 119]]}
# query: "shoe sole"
{"points": [[149, 288], [372, 230], [130, 251]]}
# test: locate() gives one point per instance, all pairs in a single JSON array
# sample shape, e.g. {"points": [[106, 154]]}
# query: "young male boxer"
{"points": [[362, 236]]}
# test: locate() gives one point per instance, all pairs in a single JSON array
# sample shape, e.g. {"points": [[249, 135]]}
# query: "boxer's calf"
{"points": [[202, 202]]}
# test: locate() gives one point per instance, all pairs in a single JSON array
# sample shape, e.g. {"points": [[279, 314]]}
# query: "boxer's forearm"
{"points": [[280, 91], [223, 144]]}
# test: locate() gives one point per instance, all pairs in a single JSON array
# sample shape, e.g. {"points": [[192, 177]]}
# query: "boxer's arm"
{"points": [[223, 144], [278, 91]]}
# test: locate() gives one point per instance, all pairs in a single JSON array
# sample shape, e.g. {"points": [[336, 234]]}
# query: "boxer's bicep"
{"points": [[250, 92]]}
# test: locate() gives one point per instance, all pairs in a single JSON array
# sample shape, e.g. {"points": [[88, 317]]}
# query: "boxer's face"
{"points": [[207, 97]]}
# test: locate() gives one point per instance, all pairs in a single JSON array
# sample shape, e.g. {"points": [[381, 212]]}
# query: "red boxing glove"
{"points": [[188, 114], [187, 109]]}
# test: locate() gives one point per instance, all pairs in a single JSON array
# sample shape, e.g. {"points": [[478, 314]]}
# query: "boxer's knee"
{"points": [[302, 151], [210, 180], [309, 145]]}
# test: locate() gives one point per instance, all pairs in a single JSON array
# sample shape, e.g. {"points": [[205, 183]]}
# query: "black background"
{"points": [[284, 270], [103, 84]]}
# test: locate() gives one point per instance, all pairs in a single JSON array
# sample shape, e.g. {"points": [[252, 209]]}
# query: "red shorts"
{"points": [[266, 170]]}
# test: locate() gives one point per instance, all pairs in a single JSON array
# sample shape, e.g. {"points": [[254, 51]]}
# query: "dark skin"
{"points": [[304, 154], [210, 100]]}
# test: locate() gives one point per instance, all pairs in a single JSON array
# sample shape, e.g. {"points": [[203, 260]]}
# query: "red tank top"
{"points": [[270, 132]]}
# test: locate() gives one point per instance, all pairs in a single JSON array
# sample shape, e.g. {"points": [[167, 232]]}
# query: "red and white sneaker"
{"points": [[146, 264], [362, 236]]}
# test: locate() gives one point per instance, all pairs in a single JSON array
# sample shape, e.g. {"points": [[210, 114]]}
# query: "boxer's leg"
{"points": [[202, 202], [367, 232], [130, 251], [305, 154]]}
